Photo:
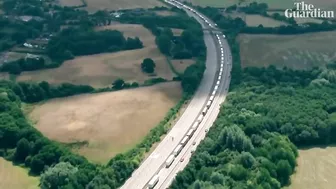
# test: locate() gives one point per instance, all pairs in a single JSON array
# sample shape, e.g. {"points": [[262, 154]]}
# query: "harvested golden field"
{"points": [[110, 122], [294, 51], [181, 65], [95, 5], [70, 3], [316, 169], [102, 69], [14, 177], [256, 20]]}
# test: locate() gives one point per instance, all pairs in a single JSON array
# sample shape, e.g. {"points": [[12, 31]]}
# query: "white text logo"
{"points": [[304, 10]]}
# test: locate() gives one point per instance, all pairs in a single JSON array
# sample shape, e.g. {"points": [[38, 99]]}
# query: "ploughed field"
{"points": [[107, 123], [101, 70], [294, 51], [15, 177]]}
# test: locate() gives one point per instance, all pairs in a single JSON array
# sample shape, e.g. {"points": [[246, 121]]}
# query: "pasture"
{"points": [[15, 177], [256, 20], [293, 51], [95, 5], [110, 122], [102, 69], [316, 169]]}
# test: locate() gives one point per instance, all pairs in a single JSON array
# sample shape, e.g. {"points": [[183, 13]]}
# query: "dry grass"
{"points": [[256, 20], [111, 122], [14, 177], [165, 13], [94, 5], [102, 69], [294, 51], [70, 3], [181, 65], [316, 169]]}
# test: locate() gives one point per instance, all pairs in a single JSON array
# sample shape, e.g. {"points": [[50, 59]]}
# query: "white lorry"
{"points": [[153, 182], [178, 150], [170, 160]]}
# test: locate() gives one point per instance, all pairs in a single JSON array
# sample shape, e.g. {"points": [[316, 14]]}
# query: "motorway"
{"points": [[154, 164], [167, 175]]}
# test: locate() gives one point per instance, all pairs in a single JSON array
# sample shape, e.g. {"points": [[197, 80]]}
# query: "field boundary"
{"points": [[173, 69]]}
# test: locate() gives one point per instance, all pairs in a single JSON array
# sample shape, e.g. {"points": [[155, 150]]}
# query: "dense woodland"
{"points": [[77, 41]]}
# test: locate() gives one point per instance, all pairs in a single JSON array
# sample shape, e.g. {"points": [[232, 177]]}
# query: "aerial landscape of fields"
{"points": [[90, 88], [102, 69]]}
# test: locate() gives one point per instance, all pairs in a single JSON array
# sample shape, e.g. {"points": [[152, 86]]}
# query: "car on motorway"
{"points": [[182, 159], [194, 143], [192, 151]]}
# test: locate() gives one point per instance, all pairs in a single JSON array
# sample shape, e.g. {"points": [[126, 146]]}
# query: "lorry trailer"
{"points": [[170, 160], [153, 182]]}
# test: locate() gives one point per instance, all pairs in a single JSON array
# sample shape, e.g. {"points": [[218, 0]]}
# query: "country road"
{"points": [[155, 163]]}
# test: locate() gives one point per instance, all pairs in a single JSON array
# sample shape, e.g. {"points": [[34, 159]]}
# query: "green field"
{"points": [[294, 51]]}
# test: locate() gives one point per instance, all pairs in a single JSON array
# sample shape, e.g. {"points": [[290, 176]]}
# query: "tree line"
{"points": [[72, 42], [253, 141], [23, 64]]}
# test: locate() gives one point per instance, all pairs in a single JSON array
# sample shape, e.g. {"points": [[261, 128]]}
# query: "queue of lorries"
{"points": [[191, 131]]}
